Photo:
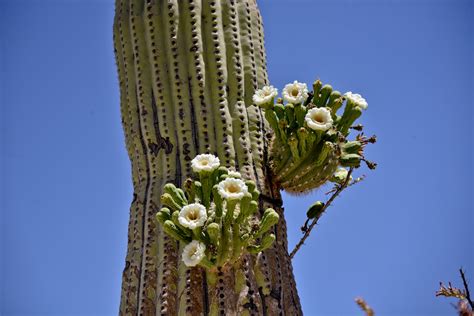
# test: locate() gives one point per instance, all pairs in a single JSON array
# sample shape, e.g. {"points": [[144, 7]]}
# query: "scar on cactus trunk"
{"points": [[187, 73]]}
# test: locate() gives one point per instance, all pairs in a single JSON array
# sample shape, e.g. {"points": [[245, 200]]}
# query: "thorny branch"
{"points": [[339, 189]]}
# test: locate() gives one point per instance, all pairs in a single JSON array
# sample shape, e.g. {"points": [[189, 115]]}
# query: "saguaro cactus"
{"points": [[188, 70]]}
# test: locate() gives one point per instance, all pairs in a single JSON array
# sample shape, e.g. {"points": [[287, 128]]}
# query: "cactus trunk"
{"points": [[187, 72]]}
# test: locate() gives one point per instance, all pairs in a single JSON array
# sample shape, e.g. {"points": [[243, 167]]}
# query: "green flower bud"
{"points": [[267, 241], [167, 199], [253, 207], [250, 185], [316, 89], [324, 95], [349, 116], [335, 102], [272, 119], [214, 232], [324, 152], [172, 230], [217, 201], [197, 188], [350, 160], [315, 210], [244, 207], [303, 136], [293, 143], [352, 147], [280, 111], [333, 97], [290, 114], [163, 215], [300, 113], [269, 218], [221, 171], [253, 249], [176, 194], [282, 125]]}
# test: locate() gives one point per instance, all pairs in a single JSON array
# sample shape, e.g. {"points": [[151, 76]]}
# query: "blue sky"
{"points": [[65, 176]]}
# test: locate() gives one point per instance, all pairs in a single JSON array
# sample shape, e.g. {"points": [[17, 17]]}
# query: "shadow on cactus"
{"points": [[310, 137], [213, 216]]}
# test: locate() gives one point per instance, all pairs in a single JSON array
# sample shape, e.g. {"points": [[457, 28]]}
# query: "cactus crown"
{"points": [[310, 137], [213, 215]]}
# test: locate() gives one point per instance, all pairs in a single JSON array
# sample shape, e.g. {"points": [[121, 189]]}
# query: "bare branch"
{"points": [[307, 231]]}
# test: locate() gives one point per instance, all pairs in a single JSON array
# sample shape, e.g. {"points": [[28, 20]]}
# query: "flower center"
{"points": [[192, 215], [232, 188], [204, 162], [318, 117], [193, 252], [294, 92]]}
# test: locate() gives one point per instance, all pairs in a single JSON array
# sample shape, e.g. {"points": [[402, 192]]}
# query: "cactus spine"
{"points": [[187, 73]]}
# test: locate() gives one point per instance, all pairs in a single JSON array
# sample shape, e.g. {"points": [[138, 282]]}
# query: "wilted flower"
{"points": [[193, 253], [265, 95], [357, 99], [295, 92], [232, 189], [192, 215], [319, 119], [205, 162]]}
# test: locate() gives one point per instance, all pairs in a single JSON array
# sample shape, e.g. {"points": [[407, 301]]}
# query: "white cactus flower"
{"points": [[192, 215], [357, 99], [319, 119], [205, 162], [265, 95], [295, 92], [193, 253], [232, 189]]}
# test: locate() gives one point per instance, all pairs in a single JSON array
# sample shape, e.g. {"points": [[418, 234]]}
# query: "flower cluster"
{"points": [[310, 140], [214, 215]]}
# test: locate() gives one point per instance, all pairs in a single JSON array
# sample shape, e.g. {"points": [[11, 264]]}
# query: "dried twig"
{"points": [[450, 291], [364, 306], [307, 231], [465, 305]]}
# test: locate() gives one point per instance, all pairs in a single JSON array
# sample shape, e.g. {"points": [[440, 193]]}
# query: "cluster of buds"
{"points": [[214, 216], [310, 139]]}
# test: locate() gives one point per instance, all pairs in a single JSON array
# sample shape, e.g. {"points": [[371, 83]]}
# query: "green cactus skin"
{"points": [[187, 72]]}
